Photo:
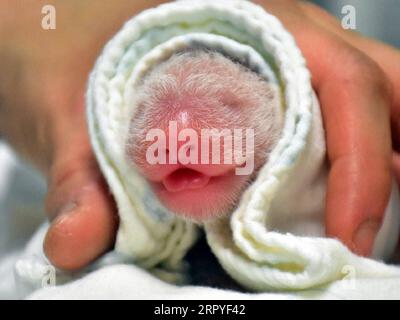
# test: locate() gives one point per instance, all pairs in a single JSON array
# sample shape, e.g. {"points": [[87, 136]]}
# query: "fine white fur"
{"points": [[226, 95]]}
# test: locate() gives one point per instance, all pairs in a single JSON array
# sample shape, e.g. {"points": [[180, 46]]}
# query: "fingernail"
{"points": [[365, 235], [65, 211], [62, 217]]}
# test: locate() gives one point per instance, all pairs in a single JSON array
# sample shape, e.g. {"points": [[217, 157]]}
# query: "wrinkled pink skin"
{"points": [[201, 90]]}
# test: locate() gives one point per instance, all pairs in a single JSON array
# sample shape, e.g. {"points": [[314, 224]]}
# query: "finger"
{"points": [[387, 57], [83, 212], [355, 101], [396, 165], [355, 107]]}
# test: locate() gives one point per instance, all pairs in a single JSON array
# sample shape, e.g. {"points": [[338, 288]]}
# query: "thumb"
{"points": [[83, 214]]}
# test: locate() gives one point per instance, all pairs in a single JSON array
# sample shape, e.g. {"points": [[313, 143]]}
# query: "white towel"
{"points": [[274, 239]]}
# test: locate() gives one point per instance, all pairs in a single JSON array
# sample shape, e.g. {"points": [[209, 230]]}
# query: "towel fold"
{"points": [[274, 238]]}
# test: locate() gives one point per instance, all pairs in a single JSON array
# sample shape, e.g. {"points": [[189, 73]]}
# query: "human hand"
{"points": [[42, 114], [354, 78]]}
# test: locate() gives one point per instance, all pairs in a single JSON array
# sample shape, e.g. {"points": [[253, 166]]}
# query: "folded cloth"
{"points": [[274, 238]]}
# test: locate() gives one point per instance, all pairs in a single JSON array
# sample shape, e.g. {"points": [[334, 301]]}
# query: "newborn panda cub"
{"points": [[185, 106]]}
